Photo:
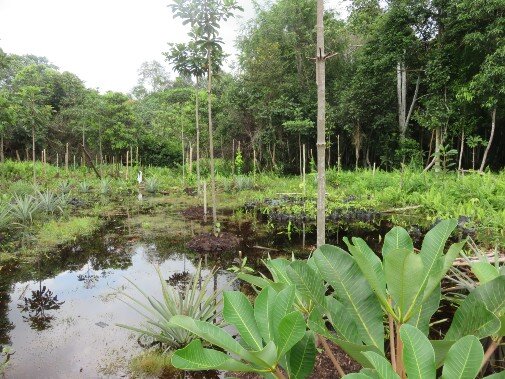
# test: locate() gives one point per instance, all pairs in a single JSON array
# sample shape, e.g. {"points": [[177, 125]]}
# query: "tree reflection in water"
{"points": [[36, 306]]}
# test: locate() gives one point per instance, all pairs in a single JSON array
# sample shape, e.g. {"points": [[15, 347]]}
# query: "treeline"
{"points": [[410, 81]]}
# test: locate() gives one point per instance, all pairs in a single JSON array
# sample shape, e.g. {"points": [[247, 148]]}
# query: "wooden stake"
{"points": [[127, 152], [66, 157], [57, 160], [205, 198], [17, 156]]}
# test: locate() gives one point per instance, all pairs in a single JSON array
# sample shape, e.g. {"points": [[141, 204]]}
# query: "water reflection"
{"points": [[37, 308]]}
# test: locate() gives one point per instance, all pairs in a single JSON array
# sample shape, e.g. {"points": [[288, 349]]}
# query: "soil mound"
{"points": [[209, 243]]}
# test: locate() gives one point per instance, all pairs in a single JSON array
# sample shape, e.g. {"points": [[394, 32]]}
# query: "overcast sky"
{"points": [[104, 42]]}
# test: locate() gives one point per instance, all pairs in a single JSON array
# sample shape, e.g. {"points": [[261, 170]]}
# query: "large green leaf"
{"points": [[472, 317], [441, 348], [340, 270], [370, 265], [397, 238], [381, 365], [404, 271], [485, 271], [263, 306], [195, 358], [464, 359], [431, 254], [257, 281], [209, 332], [358, 375], [418, 354], [443, 264], [291, 330], [268, 355], [492, 294], [308, 284], [302, 357], [421, 318], [283, 305], [239, 312], [341, 321]]}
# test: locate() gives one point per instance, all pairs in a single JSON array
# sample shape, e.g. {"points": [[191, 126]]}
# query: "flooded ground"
{"points": [[59, 316]]}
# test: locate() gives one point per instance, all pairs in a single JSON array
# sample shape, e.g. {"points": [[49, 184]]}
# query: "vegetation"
{"points": [[278, 336], [193, 301]]}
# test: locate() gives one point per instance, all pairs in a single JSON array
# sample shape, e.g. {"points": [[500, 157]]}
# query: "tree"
{"points": [[205, 17], [152, 78]]}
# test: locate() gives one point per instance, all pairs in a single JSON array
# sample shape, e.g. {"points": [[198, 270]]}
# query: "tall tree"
{"points": [[205, 17]]}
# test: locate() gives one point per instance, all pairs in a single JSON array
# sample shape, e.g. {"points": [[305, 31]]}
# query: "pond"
{"points": [[60, 315]]}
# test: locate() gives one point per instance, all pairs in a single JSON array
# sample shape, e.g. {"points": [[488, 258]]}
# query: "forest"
{"points": [[330, 203], [406, 81]]}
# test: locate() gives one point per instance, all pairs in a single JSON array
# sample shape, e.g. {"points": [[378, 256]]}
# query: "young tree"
{"points": [[205, 17]]}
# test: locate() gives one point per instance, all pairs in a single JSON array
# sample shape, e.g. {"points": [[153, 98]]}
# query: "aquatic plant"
{"points": [[5, 354], [194, 300], [23, 209], [152, 184]]}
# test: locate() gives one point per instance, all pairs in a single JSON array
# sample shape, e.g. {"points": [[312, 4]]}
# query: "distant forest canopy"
{"points": [[408, 78]]}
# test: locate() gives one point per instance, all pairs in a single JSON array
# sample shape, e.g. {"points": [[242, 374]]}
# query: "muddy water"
{"points": [[68, 329], [59, 316]]}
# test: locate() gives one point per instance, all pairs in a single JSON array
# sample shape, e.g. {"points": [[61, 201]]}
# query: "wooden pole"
{"points": [[127, 152], [57, 160], [66, 157]]}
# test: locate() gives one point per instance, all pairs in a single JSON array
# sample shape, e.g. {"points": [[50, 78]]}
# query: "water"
{"points": [[78, 337], [60, 316]]}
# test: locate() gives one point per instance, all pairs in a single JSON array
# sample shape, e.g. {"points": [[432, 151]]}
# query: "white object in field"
{"points": [[139, 196], [139, 177]]}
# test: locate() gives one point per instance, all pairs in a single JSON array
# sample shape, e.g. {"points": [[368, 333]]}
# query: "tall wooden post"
{"points": [[321, 125]]}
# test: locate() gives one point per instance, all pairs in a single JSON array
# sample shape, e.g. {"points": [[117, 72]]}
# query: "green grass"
{"points": [[152, 363], [56, 233]]}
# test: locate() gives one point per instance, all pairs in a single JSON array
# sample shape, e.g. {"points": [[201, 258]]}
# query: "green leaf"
{"points": [[283, 305], [418, 354], [302, 357], [485, 271], [268, 355], [492, 294], [404, 271], [195, 358], [358, 375], [472, 317], [238, 311], [341, 320], [370, 265], [421, 318], [308, 284], [291, 330], [210, 333], [441, 348], [443, 264], [381, 365], [254, 280], [464, 359], [397, 238], [263, 306], [340, 270]]}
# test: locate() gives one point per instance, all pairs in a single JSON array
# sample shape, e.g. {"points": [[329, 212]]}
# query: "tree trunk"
{"points": [[197, 122], [211, 143], [461, 149], [438, 142], [2, 157], [321, 126], [33, 154], [488, 147], [402, 97]]}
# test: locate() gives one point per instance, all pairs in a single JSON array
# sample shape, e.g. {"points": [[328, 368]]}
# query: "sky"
{"points": [[103, 42]]}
